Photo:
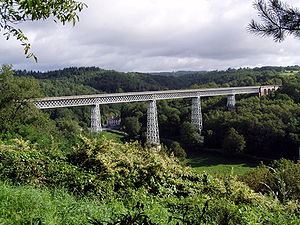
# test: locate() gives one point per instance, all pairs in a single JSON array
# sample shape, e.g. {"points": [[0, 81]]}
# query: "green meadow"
{"points": [[219, 165], [288, 73], [114, 135]]}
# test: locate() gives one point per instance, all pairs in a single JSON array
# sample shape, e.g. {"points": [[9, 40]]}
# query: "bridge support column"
{"points": [[96, 119], [152, 124], [196, 113], [231, 101]]}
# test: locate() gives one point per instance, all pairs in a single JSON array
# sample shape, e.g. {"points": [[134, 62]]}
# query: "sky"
{"points": [[153, 36]]}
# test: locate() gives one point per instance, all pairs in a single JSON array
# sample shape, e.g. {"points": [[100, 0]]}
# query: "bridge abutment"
{"points": [[265, 90], [96, 119], [196, 113], [152, 124]]}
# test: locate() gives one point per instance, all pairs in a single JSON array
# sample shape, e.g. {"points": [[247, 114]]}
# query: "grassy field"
{"points": [[113, 135], [212, 163], [219, 165], [28, 205], [288, 73]]}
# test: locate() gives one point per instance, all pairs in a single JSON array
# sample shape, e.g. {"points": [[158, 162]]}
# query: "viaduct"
{"points": [[151, 97]]}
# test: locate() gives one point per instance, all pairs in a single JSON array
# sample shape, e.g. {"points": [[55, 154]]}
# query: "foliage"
{"points": [[65, 88], [16, 11], [128, 165], [190, 135], [278, 19], [233, 142], [177, 150], [69, 128], [114, 135], [22, 162], [17, 114], [111, 81], [269, 126], [132, 127], [291, 88], [29, 205], [281, 179], [20, 118], [133, 184]]}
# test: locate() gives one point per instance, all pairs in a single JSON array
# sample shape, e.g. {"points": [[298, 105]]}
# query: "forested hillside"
{"points": [[269, 126], [112, 81], [53, 170]]}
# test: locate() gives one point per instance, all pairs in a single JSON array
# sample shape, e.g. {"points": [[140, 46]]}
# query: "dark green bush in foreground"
{"points": [[124, 184]]}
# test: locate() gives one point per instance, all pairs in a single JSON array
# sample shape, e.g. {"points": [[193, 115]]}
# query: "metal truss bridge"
{"points": [[151, 97]]}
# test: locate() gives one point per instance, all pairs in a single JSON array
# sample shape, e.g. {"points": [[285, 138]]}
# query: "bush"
{"points": [[132, 185], [281, 179], [22, 162], [174, 148], [130, 165]]}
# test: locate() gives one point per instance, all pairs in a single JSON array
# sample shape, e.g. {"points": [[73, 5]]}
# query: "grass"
{"points": [[28, 205], [219, 165], [288, 73], [114, 135]]}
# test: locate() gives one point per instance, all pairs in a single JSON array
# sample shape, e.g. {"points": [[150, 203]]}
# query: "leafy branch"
{"points": [[13, 12]]}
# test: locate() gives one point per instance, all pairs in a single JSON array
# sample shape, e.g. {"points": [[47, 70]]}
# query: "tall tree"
{"points": [[15, 110], [278, 20], [13, 12], [233, 142]]}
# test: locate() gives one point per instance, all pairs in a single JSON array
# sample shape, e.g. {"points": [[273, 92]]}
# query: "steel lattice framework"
{"points": [[196, 113], [151, 96], [96, 119], [152, 124], [231, 101]]}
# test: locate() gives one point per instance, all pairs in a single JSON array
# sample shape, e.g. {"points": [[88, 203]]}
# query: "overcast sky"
{"points": [[153, 35]]}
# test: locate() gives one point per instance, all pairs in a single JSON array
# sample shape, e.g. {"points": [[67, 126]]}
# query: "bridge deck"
{"points": [[82, 100]]}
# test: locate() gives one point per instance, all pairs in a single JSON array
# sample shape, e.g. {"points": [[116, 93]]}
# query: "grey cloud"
{"points": [[149, 35]]}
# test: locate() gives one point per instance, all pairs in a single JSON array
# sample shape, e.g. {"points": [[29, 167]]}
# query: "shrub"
{"points": [[130, 165], [22, 162], [132, 185], [281, 179], [174, 148]]}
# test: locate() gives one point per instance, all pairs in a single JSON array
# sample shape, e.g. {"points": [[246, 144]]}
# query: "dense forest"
{"points": [[112, 81], [269, 126], [53, 170]]}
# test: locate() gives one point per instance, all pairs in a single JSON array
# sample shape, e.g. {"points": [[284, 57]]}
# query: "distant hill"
{"points": [[90, 80], [174, 73], [278, 68]]}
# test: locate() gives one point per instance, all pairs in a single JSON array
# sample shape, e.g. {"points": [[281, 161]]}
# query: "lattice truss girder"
{"points": [[196, 113], [70, 101], [152, 124]]}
